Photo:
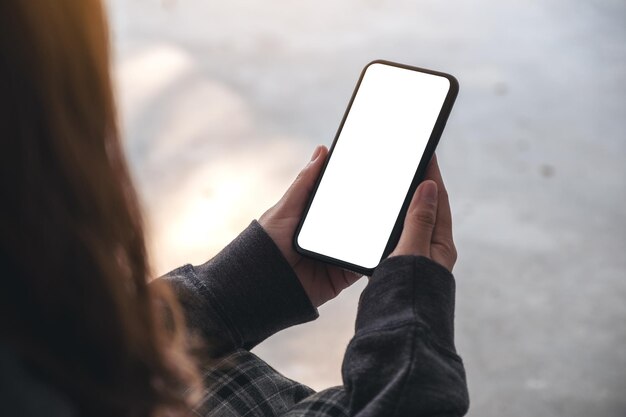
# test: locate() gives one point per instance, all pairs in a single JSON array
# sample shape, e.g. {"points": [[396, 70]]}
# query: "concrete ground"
{"points": [[223, 102]]}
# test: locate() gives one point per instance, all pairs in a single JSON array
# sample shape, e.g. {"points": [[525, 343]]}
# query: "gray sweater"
{"points": [[401, 361]]}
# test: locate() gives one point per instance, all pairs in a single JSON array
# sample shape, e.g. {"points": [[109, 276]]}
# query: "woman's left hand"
{"points": [[322, 282]]}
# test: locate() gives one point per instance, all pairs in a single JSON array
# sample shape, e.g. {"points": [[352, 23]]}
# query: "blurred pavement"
{"points": [[223, 102]]}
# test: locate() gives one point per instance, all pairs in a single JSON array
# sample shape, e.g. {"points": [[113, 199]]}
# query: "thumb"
{"points": [[296, 196], [419, 222]]}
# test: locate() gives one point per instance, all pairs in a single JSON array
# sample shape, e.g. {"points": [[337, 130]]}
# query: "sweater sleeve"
{"points": [[402, 360], [243, 295]]}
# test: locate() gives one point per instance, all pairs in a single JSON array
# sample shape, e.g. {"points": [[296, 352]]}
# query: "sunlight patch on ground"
{"points": [[218, 200], [142, 75]]}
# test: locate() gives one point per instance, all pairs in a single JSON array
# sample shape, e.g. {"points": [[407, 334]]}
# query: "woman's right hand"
{"points": [[428, 224]]}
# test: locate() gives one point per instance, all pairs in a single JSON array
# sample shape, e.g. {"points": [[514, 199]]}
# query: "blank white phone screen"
{"points": [[373, 164]]}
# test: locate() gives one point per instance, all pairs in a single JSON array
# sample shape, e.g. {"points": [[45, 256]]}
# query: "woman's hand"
{"points": [[321, 281], [427, 230], [428, 224]]}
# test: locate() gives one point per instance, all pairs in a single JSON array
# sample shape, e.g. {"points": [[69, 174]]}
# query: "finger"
{"points": [[443, 229], [419, 222], [342, 278], [298, 193], [442, 249]]}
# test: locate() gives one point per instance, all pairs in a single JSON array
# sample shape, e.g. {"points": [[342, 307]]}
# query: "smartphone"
{"points": [[387, 136]]}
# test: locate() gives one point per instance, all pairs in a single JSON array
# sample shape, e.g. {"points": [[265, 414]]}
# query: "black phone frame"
{"points": [[435, 135]]}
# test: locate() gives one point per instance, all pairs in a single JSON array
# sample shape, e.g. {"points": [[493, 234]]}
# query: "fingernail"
{"points": [[428, 192], [316, 152]]}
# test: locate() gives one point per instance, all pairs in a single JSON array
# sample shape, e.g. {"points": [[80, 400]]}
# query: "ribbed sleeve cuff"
{"points": [[254, 288], [406, 289]]}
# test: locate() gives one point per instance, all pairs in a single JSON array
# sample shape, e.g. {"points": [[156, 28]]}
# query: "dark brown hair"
{"points": [[74, 299]]}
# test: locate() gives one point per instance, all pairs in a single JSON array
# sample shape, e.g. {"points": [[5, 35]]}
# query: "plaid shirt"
{"points": [[401, 361], [241, 384]]}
